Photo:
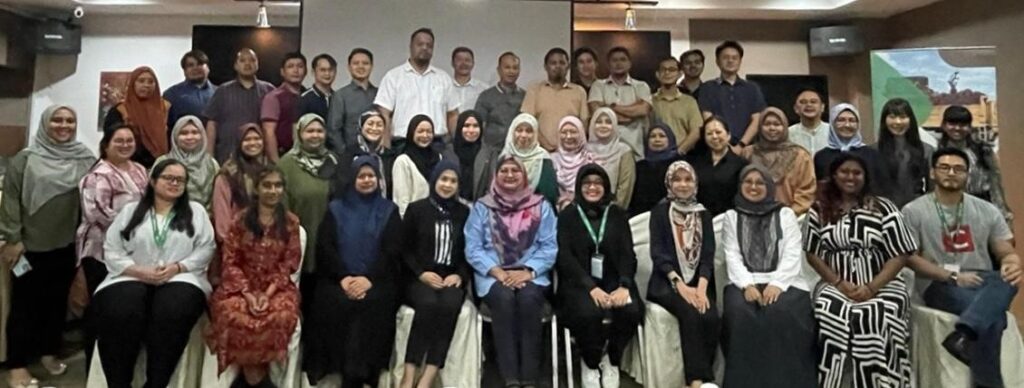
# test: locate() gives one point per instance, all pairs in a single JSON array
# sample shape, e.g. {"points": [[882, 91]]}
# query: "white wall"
{"points": [[678, 28]]}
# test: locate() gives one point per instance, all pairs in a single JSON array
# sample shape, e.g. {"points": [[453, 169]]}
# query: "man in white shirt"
{"points": [[467, 89], [811, 132], [415, 87]]}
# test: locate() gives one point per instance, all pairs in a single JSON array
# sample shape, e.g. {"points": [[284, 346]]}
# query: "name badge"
{"points": [[21, 267], [597, 266], [951, 267]]}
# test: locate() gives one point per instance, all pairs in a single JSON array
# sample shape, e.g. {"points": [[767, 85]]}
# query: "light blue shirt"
{"points": [[480, 252]]}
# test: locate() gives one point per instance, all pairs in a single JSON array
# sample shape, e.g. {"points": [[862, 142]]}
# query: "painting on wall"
{"points": [[113, 85], [932, 79]]}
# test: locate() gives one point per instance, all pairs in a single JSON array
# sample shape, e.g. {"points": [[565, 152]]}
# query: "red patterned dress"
{"points": [[250, 264]]}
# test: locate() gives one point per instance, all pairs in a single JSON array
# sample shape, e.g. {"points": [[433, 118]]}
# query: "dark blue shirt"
{"points": [[188, 99], [735, 103], [314, 101]]}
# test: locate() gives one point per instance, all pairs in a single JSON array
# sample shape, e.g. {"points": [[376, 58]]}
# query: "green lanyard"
{"points": [[160, 235], [942, 216], [590, 229]]}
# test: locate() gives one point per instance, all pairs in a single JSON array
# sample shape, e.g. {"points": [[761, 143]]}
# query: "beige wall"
{"points": [[770, 46]]}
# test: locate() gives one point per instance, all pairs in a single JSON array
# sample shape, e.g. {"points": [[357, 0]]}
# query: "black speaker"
{"points": [[57, 37], [836, 40]]}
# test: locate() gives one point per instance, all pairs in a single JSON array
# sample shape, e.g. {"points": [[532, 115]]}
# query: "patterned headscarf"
{"points": [[567, 163], [685, 216], [318, 161], [515, 215], [775, 156], [758, 227]]}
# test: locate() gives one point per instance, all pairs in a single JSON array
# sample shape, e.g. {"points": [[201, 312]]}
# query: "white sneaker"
{"points": [[609, 373], [591, 378]]}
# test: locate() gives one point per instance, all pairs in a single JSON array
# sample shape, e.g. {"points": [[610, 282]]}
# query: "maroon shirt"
{"points": [[281, 106]]}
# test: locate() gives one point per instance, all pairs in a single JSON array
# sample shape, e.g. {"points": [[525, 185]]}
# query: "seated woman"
{"points": [[254, 311], [369, 141], [572, 153], [235, 185], [789, 165], [414, 165], [522, 142], [511, 244], [768, 325], [596, 266], [718, 167], [683, 279], [435, 253], [157, 252], [189, 148], [660, 151], [351, 323], [613, 154], [858, 243]]}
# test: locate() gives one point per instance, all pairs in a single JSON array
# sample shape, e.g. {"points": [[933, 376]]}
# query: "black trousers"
{"points": [[39, 305], [516, 323], [433, 326], [95, 272], [131, 314], [583, 318], [698, 334]]}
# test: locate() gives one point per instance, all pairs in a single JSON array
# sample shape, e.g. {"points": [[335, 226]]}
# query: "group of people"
{"points": [[198, 200]]}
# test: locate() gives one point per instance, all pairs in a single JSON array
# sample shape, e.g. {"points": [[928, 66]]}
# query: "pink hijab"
{"points": [[567, 163], [515, 216]]}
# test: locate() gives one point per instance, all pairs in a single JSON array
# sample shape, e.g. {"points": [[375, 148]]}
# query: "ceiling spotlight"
{"points": [[261, 17], [630, 18]]}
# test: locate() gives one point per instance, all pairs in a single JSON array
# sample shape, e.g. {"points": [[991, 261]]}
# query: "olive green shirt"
{"points": [[51, 227], [679, 111], [307, 196]]}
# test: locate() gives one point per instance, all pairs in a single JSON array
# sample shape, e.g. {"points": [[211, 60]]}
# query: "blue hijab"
{"points": [[665, 154], [361, 219]]}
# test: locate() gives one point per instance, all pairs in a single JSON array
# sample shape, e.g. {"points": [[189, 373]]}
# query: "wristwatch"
{"points": [[953, 276]]}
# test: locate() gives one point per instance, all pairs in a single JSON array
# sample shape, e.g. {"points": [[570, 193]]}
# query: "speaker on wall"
{"points": [[53, 36], [836, 40]]}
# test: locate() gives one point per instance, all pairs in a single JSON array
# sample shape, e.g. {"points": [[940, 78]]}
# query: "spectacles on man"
{"points": [[951, 169]]}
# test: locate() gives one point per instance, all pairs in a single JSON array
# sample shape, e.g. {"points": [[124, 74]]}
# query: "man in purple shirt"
{"points": [[280, 106], [235, 103]]}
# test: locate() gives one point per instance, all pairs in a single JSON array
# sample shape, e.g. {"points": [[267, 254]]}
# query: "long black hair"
{"points": [[918, 165], [252, 213], [830, 196], [182, 220]]}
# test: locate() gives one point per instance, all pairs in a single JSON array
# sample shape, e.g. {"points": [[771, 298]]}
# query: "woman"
{"points": [[38, 217], [254, 311], [596, 266], [718, 167], [683, 280], [845, 137], [369, 142], [572, 154], [984, 179], [905, 160], [235, 185], [351, 324], [523, 144], [790, 165], [858, 243], [189, 147], [435, 253], [660, 152], [768, 324], [144, 111], [511, 244], [615, 156], [157, 252], [413, 166], [466, 146]]}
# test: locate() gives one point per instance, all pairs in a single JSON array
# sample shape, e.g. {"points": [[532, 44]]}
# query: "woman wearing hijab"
{"points": [[146, 112], [511, 242], [572, 154], [38, 217], [768, 324], [351, 324], [845, 136], [235, 185], [718, 167], [659, 152], [596, 266], [413, 166], [683, 279], [790, 165], [368, 142], [523, 144], [615, 156], [435, 253], [189, 148], [904, 158], [467, 145]]}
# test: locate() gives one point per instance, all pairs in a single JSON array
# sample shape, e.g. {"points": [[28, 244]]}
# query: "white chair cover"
{"points": [[462, 367]]}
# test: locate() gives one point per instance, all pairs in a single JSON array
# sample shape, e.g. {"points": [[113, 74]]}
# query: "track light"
{"points": [[261, 17]]}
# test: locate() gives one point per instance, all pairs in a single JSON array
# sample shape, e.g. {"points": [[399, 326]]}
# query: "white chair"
{"points": [[484, 315], [462, 367]]}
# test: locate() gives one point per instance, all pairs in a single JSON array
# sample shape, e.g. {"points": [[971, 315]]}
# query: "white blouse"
{"points": [[407, 184], [786, 274], [194, 253]]}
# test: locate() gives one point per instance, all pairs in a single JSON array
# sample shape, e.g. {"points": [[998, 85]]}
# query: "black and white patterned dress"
{"points": [[875, 334]]}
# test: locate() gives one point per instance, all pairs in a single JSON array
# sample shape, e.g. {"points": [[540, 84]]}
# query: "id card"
{"points": [[951, 267], [597, 266], [21, 267]]}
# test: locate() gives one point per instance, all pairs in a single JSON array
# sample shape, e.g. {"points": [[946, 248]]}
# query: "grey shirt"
{"points": [[498, 106], [347, 104], [968, 248]]}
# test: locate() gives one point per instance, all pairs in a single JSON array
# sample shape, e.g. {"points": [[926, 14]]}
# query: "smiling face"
{"points": [[773, 129], [593, 188], [846, 125], [324, 73], [603, 128], [313, 136], [189, 138], [170, 184], [569, 137], [586, 66], [366, 180], [682, 184], [195, 72], [508, 70], [668, 72], [809, 105], [447, 184], [693, 66], [252, 144], [850, 177], [524, 138], [294, 71], [897, 124], [424, 134], [463, 63], [715, 136], [956, 131], [657, 140], [753, 187], [145, 85], [360, 67], [373, 129], [471, 130], [62, 126], [270, 189], [121, 147], [510, 176], [246, 64]]}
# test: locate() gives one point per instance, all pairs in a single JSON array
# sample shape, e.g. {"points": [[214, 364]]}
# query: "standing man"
{"points": [[189, 97], [351, 101], [554, 98], [416, 87], [811, 132], [677, 110], [960, 236], [235, 103], [584, 60], [736, 100], [280, 106], [500, 104], [692, 62], [629, 98], [317, 99], [467, 89]]}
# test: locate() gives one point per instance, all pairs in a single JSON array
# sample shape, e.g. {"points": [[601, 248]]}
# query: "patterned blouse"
{"points": [[105, 190]]}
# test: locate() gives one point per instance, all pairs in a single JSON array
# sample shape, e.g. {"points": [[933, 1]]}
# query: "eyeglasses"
{"points": [[173, 179], [948, 169]]}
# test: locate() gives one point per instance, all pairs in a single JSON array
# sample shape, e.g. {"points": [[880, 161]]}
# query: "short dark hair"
{"points": [[619, 49], [360, 50], [422, 30], [463, 49], [507, 54], [729, 44], [293, 55], [108, 136], [697, 52], [957, 114], [198, 55], [554, 51], [668, 58], [583, 50], [947, 151], [806, 89], [324, 57]]}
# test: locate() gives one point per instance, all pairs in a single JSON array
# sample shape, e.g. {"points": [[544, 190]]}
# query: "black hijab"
{"points": [[444, 205], [593, 210], [467, 151], [425, 158]]}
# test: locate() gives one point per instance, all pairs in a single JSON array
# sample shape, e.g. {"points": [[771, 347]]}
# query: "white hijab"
{"points": [[533, 157], [608, 153]]}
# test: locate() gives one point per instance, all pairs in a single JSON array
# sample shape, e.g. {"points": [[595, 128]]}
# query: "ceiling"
{"points": [[156, 7]]}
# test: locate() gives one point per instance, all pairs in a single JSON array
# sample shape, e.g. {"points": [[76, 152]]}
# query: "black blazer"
{"points": [[575, 249], [663, 253], [418, 240]]}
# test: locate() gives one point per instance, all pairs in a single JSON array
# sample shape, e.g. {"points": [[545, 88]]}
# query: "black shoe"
{"points": [[958, 345], [239, 382]]}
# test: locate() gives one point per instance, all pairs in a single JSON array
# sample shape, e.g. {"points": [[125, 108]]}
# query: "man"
{"points": [[736, 100], [677, 110], [235, 103], [280, 107], [351, 101], [189, 97], [585, 61], [811, 132], [554, 98], [960, 235], [692, 62], [500, 104], [629, 98], [317, 99], [467, 89], [415, 87]]}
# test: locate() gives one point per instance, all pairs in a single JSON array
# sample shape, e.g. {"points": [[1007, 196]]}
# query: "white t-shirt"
{"points": [[466, 95], [813, 140], [407, 93]]}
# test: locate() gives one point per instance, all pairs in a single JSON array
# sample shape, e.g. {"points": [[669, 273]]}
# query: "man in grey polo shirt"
{"points": [[351, 101], [629, 98], [500, 104]]}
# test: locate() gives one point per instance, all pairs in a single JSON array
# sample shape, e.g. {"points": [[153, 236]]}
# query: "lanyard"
{"points": [[590, 229], [160, 235], [942, 216]]}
